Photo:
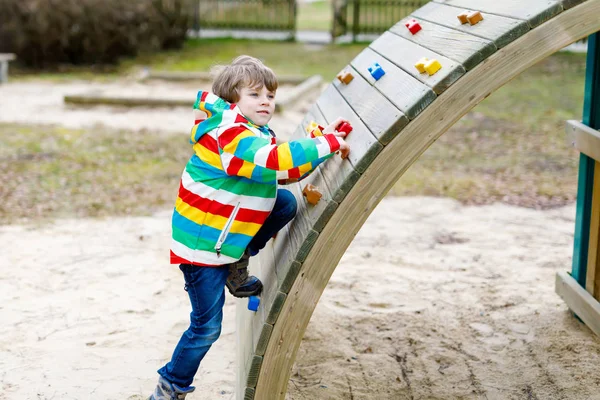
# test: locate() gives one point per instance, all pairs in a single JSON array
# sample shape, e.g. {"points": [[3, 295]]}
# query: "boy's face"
{"points": [[257, 105]]}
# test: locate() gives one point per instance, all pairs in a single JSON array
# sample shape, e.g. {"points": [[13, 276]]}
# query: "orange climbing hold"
{"points": [[312, 194], [472, 17], [345, 77]]}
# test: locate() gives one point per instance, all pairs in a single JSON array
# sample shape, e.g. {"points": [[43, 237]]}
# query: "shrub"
{"points": [[44, 33]]}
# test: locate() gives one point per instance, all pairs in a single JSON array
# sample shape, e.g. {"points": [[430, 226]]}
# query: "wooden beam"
{"points": [[593, 266], [390, 165], [584, 139], [579, 301], [207, 76]]}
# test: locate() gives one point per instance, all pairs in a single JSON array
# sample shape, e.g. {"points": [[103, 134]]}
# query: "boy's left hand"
{"points": [[331, 128]]}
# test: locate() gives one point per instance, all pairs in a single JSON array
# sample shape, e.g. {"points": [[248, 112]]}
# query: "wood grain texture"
{"points": [[571, 3], [498, 29], [388, 167], [364, 146], [317, 214], [265, 335], [462, 47], [535, 12], [592, 283], [579, 301], [405, 55], [383, 118], [583, 138], [385, 105], [254, 371]]}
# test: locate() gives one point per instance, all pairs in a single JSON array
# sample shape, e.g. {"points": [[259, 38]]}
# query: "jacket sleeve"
{"points": [[245, 154]]}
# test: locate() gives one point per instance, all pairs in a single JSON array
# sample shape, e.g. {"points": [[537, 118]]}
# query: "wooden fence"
{"points": [[274, 15], [377, 16]]}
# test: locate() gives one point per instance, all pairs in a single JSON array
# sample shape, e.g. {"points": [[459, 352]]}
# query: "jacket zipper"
{"points": [[226, 229]]}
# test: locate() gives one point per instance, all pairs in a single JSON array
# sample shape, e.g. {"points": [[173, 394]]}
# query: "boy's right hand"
{"points": [[344, 148]]}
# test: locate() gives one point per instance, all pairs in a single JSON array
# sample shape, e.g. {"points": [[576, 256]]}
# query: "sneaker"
{"points": [[239, 283], [166, 390]]}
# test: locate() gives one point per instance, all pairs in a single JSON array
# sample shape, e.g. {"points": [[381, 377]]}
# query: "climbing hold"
{"points": [[345, 77], [311, 127], [426, 65], [312, 194], [344, 127], [472, 17], [253, 303], [420, 65], [413, 26], [432, 66], [376, 71], [462, 17]]}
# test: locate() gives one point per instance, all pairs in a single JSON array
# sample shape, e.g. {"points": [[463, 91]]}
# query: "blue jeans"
{"points": [[206, 289]]}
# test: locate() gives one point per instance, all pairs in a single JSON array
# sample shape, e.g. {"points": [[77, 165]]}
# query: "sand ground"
{"points": [[432, 300]]}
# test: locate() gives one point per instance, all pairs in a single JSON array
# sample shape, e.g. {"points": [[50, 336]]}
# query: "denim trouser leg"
{"points": [[283, 212], [206, 289]]}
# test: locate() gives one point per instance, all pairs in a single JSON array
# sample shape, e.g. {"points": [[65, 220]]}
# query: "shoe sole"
{"points": [[242, 294]]}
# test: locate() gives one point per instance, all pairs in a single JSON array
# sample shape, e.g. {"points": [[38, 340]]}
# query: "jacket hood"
{"points": [[212, 112]]}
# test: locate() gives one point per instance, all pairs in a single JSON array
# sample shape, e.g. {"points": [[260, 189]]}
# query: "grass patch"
{"points": [[49, 172], [202, 54], [299, 59], [512, 147]]}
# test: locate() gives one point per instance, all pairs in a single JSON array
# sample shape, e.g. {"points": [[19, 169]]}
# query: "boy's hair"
{"points": [[244, 71]]}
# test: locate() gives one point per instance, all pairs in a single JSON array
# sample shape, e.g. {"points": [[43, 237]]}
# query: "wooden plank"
{"points": [[276, 307], [301, 235], [535, 12], [7, 56], [405, 54], [287, 280], [254, 371], [456, 45], [390, 164], [249, 394], [317, 214], [579, 301], [265, 335], [98, 98], [584, 139], [340, 177], [243, 343], [377, 112], [263, 267], [364, 147], [283, 257], [571, 3], [202, 75], [500, 30], [593, 266], [385, 117]]}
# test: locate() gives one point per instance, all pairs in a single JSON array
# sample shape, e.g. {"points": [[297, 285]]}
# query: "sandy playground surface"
{"points": [[432, 300]]}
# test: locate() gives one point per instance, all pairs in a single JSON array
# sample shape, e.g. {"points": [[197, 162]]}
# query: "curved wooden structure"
{"points": [[395, 120]]}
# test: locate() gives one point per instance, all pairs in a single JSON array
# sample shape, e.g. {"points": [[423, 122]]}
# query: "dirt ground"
{"points": [[432, 300]]}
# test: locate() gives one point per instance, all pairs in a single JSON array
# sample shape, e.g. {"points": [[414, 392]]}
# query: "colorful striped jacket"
{"points": [[229, 185]]}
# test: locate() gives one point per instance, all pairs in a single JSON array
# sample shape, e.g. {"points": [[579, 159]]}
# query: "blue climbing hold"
{"points": [[253, 303], [376, 71]]}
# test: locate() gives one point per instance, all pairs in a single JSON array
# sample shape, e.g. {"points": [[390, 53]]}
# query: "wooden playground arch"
{"points": [[396, 119]]}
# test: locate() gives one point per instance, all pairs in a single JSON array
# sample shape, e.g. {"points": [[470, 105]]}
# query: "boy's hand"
{"points": [[331, 128], [344, 148]]}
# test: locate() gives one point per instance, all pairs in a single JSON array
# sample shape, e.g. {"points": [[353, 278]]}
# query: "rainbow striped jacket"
{"points": [[229, 185]]}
